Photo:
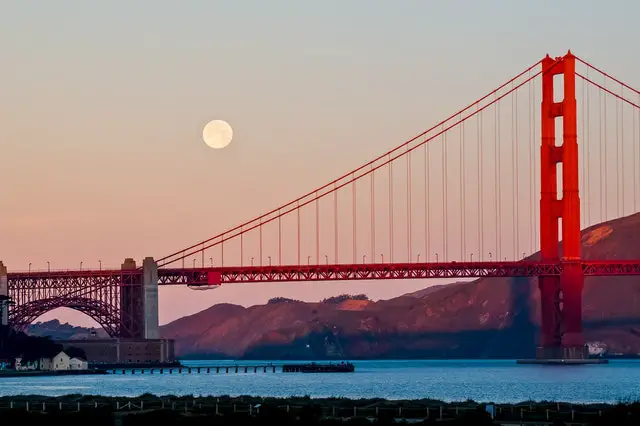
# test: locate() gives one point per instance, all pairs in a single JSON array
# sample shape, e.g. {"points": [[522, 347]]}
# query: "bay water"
{"points": [[499, 381]]}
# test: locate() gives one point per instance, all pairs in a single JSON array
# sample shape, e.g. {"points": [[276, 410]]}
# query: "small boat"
{"points": [[343, 367]]}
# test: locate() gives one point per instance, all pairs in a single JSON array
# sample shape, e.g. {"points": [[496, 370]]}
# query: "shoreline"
{"points": [[336, 400], [44, 373], [148, 408]]}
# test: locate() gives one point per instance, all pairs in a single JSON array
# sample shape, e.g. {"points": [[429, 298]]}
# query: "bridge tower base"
{"points": [[561, 297]]}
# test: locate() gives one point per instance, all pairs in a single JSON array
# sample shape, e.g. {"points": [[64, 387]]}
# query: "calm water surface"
{"points": [[498, 381]]}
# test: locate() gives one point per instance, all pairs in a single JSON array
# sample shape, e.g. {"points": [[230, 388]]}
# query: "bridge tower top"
{"points": [[128, 264]]}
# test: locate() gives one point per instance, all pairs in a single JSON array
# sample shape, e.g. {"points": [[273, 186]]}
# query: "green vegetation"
{"points": [[275, 300], [329, 300], [14, 344], [223, 410], [344, 297]]}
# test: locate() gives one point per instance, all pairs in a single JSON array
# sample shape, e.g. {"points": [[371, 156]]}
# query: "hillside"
{"points": [[494, 317], [58, 331]]}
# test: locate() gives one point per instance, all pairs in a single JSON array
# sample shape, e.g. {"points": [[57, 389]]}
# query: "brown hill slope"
{"points": [[494, 317]]}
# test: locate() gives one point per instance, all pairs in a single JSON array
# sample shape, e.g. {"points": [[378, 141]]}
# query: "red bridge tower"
{"points": [[561, 296]]}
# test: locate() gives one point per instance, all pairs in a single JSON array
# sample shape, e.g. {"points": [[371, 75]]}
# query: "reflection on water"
{"points": [[498, 381]]}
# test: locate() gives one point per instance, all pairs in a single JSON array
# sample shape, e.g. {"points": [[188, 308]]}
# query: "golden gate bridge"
{"points": [[475, 195]]}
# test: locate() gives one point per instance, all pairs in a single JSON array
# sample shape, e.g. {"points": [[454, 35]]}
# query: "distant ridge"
{"points": [[485, 318]]}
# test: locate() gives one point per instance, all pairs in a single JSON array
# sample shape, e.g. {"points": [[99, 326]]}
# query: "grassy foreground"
{"points": [[188, 410]]}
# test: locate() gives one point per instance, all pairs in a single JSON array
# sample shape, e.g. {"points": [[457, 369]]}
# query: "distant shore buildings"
{"points": [[59, 362]]}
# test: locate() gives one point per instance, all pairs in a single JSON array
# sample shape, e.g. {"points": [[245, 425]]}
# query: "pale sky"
{"points": [[103, 106]]}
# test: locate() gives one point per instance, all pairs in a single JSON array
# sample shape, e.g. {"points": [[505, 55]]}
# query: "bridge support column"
{"points": [[131, 302], [150, 298], [4, 295], [561, 297]]}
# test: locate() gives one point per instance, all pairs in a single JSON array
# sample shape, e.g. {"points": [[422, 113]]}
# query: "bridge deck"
{"points": [[373, 271]]}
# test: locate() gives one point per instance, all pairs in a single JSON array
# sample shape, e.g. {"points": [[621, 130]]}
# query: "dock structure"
{"points": [[318, 368], [226, 369]]}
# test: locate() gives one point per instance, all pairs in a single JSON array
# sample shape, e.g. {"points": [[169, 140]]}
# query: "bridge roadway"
{"points": [[214, 276]]}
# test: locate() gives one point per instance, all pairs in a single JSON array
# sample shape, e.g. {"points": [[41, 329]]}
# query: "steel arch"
{"points": [[104, 314]]}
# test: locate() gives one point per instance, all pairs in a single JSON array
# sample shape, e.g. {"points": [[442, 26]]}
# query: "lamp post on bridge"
{"points": [[364, 259], [29, 266], [308, 260], [194, 264], [418, 258], [48, 266], [489, 256], [100, 263], [471, 257], [269, 260], [252, 261], [326, 259], [81, 265], [211, 260], [436, 257], [381, 257]]}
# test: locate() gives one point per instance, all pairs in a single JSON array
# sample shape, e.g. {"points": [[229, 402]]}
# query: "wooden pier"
{"points": [[318, 368], [236, 369], [224, 369]]}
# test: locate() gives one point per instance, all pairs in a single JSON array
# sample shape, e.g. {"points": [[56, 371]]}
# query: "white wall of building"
{"points": [[78, 364], [60, 362]]}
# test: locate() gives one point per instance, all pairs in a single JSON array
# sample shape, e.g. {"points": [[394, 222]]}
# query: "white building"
{"points": [[78, 364], [62, 361]]}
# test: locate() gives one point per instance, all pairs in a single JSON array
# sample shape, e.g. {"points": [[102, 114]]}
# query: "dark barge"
{"points": [[343, 367]]}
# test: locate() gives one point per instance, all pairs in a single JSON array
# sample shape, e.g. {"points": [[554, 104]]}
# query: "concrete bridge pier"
{"points": [[4, 295], [139, 301], [150, 298]]}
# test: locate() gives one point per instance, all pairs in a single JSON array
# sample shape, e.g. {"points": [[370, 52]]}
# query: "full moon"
{"points": [[217, 134]]}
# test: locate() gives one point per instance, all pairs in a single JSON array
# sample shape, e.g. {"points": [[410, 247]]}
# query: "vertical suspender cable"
{"points": [[532, 195], [260, 229], [463, 249], [390, 209], [581, 158], [496, 113], [335, 223], [317, 229], [373, 215], [516, 180], [606, 177], [621, 153], [618, 165], [408, 155], [279, 237], [601, 157], [355, 219], [427, 205], [298, 212], [534, 177], [480, 193], [445, 233], [587, 157]]}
